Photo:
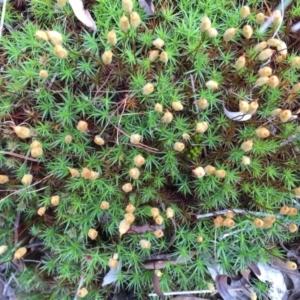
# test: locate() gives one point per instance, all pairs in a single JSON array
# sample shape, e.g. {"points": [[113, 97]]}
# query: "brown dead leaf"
{"points": [[82, 15], [157, 287]]}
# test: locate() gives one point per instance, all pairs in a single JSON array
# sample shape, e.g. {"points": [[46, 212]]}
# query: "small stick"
{"points": [[79, 287], [16, 227], [2, 18], [18, 155], [194, 92]]}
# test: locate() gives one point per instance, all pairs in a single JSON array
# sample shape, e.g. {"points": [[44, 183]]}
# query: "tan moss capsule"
{"points": [[229, 34], [170, 212], [112, 263], [284, 210], [199, 172], [3, 249], [124, 24], [178, 146], [212, 32], [104, 205], [186, 136], [201, 127], [292, 211], [158, 233], [82, 126], [240, 63], [134, 173], [295, 88], [127, 187], [22, 132], [158, 43], [243, 106], [262, 132], [107, 57], [55, 37], [158, 107], [293, 228], [55, 200], [158, 273], [112, 38], [159, 220], [135, 138], [99, 140], [276, 112], [92, 234], [279, 58], [41, 211], [273, 42], [153, 55], [130, 208], [211, 287], [245, 12], [20, 253], [285, 115], [86, 173], [199, 239], [36, 152], [139, 160], [154, 212], [60, 52], [282, 49], [164, 57], [177, 105], [145, 244], [3, 179], [129, 217], [230, 215], [297, 192], [41, 35], [27, 179], [290, 265], [269, 219], [82, 292], [135, 19], [167, 117], [265, 54], [43, 74], [127, 5], [295, 62], [212, 85], [253, 106], [205, 23], [220, 173], [94, 175], [123, 227], [253, 296], [260, 46], [262, 81], [68, 139], [148, 89], [273, 81], [62, 3], [247, 146], [209, 170], [35, 144], [246, 160], [259, 223], [228, 222], [218, 221], [277, 17], [247, 31], [265, 72], [74, 173], [260, 18], [202, 103], [267, 224]]}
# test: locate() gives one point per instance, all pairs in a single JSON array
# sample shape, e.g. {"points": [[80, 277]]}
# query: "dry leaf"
{"points": [[237, 116], [147, 6], [222, 287], [82, 15]]}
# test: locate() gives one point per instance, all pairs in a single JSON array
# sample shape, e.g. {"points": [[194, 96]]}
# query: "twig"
{"points": [[2, 18], [25, 188], [18, 155], [16, 227], [182, 293], [194, 92], [80, 283], [144, 228], [12, 276]]}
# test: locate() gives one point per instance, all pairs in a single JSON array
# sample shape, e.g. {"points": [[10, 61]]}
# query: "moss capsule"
{"points": [[262, 132], [220, 173], [124, 24], [285, 115], [167, 117], [3, 179], [112, 38], [246, 160], [27, 179], [82, 293], [55, 200], [229, 34], [130, 208], [41, 211], [60, 52], [178, 146], [20, 253], [41, 35], [265, 72], [145, 244], [148, 89], [205, 23], [153, 55], [135, 138], [212, 85], [247, 31], [199, 172], [127, 187], [158, 233], [22, 132], [293, 228], [247, 146], [290, 265], [92, 234], [260, 18], [104, 205], [201, 127], [134, 173], [158, 43], [245, 12], [135, 19]]}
